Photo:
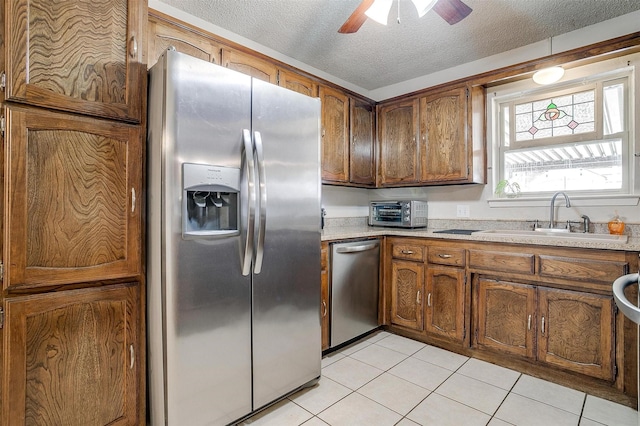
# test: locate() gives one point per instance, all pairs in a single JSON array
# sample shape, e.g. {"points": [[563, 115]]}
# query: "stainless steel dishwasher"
{"points": [[354, 289]]}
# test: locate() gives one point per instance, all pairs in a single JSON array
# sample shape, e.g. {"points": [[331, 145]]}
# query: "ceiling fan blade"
{"points": [[452, 11], [357, 18]]}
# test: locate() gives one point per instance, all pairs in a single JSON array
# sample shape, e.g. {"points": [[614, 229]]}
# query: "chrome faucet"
{"points": [[552, 222]]}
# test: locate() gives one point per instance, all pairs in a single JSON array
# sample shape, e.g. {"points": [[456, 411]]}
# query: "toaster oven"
{"points": [[404, 214]]}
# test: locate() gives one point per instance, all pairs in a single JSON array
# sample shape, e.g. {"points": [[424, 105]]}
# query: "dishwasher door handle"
{"points": [[356, 249]]}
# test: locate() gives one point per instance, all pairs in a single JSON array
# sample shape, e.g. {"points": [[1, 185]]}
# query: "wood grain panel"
{"points": [[443, 129], [77, 56], [445, 302], [398, 143], [74, 191], [362, 154], [324, 295], [249, 65], [502, 261], [335, 134], [506, 317], [297, 83], [73, 357], [577, 332], [407, 285], [77, 200], [581, 269]]}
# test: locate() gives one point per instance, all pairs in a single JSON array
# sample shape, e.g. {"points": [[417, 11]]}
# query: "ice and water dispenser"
{"points": [[210, 197]]}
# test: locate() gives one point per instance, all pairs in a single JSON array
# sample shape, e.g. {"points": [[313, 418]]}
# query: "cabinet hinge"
{"points": [[1, 271], [2, 125], [1, 317], [615, 309], [467, 90], [615, 371], [464, 333], [278, 78], [3, 80]]}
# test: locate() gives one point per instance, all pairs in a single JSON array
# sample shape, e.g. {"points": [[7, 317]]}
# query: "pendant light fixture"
{"points": [[379, 10], [548, 75]]}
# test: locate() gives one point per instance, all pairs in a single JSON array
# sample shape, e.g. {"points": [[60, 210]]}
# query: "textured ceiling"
{"points": [[378, 56]]}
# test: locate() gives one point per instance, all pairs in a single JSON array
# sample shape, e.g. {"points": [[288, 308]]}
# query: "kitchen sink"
{"points": [[542, 233]]}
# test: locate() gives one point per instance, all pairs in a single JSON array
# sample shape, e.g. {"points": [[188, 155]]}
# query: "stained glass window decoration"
{"points": [[552, 117]]}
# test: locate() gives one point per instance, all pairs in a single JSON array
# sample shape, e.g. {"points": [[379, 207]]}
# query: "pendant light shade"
{"points": [[379, 11], [423, 6], [548, 75]]}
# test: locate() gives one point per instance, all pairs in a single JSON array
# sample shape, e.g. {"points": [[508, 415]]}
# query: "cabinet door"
{"points": [[443, 129], [250, 65], [324, 292], [505, 317], [77, 55], [73, 186], [398, 133], [297, 83], [335, 135], [72, 358], [362, 153], [445, 302], [407, 289], [576, 332], [163, 35]]}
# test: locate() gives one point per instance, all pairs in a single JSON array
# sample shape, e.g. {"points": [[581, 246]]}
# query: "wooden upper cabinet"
{"points": [[335, 134], [444, 136], [73, 186], [362, 153], [163, 35], [77, 55], [249, 64], [75, 358], [398, 133], [576, 332], [297, 83]]}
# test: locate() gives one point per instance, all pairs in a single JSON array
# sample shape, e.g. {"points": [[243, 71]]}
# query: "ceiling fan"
{"points": [[452, 11]]}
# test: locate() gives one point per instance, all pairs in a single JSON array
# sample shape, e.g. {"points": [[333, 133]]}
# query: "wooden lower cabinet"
{"points": [[445, 302], [407, 290], [324, 295], [576, 332], [73, 357], [571, 330]]}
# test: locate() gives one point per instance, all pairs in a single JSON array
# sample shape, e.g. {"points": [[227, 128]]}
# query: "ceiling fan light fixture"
{"points": [[548, 75], [423, 6], [379, 11]]}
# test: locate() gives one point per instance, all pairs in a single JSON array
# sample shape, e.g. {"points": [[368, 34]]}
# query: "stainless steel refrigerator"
{"points": [[233, 242]]}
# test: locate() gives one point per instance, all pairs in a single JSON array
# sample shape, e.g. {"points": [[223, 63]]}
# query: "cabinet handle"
{"points": [[133, 47], [132, 357], [445, 256], [133, 200], [324, 308], [543, 325], [429, 300], [529, 323], [407, 252], [418, 297]]}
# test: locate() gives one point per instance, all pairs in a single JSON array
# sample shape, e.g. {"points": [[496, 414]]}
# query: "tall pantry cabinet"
{"points": [[71, 320]]}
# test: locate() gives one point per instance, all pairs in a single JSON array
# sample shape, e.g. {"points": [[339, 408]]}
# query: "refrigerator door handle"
{"points": [[262, 202], [247, 153], [357, 249]]}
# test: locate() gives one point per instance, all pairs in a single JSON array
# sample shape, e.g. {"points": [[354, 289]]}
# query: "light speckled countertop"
{"points": [[359, 230]]}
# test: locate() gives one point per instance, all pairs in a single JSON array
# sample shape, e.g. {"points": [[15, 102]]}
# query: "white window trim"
{"points": [[499, 94]]}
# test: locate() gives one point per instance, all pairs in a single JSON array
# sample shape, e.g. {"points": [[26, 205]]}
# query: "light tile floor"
{"points": [[385, 379]]}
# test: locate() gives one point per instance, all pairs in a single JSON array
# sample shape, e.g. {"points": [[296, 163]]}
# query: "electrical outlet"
{"points": [[462, 210]]}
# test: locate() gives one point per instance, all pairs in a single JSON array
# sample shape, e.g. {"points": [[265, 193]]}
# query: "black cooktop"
{"points": [[456, 231]]}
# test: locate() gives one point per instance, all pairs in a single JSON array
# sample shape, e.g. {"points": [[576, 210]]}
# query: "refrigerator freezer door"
{"points": [[286, 291], [200, 303]]}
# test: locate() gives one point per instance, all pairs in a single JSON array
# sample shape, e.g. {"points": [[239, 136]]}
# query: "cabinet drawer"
{"points": [[408, 251], [603, 271], [502, 261], [446, 256]]}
